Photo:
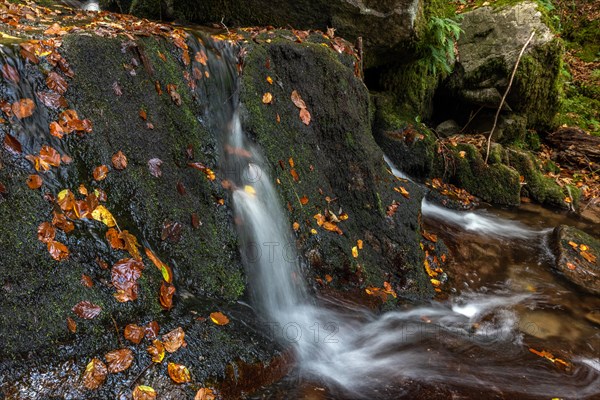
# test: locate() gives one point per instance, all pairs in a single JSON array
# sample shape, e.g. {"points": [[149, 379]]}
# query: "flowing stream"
{"points": [[476, 339]]}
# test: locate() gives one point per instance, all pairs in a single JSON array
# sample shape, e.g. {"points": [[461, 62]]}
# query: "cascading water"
{"points": [[473, 340]]}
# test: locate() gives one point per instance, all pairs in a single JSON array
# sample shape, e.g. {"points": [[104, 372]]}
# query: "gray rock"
{"points": [[447, 128]]}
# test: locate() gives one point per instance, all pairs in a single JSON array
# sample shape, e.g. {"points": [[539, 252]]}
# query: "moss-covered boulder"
{"points": [[577, 257]]}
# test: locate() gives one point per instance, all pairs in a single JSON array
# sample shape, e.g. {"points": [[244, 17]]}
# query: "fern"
{"points": [[437, 49]]}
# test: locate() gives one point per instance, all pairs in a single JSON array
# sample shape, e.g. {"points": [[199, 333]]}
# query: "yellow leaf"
{"points": [[270, 80], [101, 214], [355, 252], [313, 231], [359, 243], [179, 373], [250, 190], [267, 98], [219, 318], [462, 154]]}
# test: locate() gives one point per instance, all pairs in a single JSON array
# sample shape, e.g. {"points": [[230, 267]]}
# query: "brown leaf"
{"points": [[12, 144], [46, 232], [134, 333], [143, 115], [55, 29], [3, 189], [66, 200], [50, 156], [166, 295], [201, 57], [87, 310], [125, 274], [156, 351], [175, 97], [10, 73], [297, 100], [430, 236], [181, 188], [112, 236], [71, 325], [60, 221], [196, 221], [219, 318], [174, 340], [205, 394], [179, 373], [154, 167], [117, 89], [57, 250], [100, 172], [151, 330], [23, 108], [34, 181], [305, 116], [304, 200], [86, 281], [119, 161], [95, 374], [56, 82], [52, 99], [294, 175], [171, 231], [142, 392], [119, 360], [131, 244]]}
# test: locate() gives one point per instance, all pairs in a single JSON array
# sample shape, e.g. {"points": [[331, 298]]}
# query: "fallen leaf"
{"points": [[305, 116], [151, 330], [330, 226], [87, 310], [142, 392], [195, 221], [270, 80], [86, 281], [156, 351], [296, 226], [117, 89], [46, 232], [164, 269], [402, 191], [267, 98], [102, 214], [71, 325], [100, 172], [143, 115], [294, 175], [205, 394], [571, 266], [359, 243], [23, 108], [355, 252], [250, 190], [304, 200], [34, 181], [130, 244], [118, 360], [175, 97], [60, 221], [56, 82], [10, 73], [52, 100], [119, 161], [173, 340], [588, 256], [179, 373], [124, 275], [219, 318], [166, 295], [12, 144], [154, 167], [95, 374], [112, 236], [171, 231], [65, 200], [55, 29], [57, 250], [134, 333], [430, 236], [297, 100], [56, 130]]}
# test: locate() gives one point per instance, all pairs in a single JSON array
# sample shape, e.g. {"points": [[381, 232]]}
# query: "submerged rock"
{"points": [[578, 257]]}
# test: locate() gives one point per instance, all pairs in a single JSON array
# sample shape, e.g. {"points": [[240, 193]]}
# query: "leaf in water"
{"points": [[100, 172], [95, 374], [131, 244], [174, 340], [134, 333], [10, 73], [23, 108], [57, 250], [154, 167], [297, 100], [305, 116], [267, 98], [142, 392], [119, 161], [65, 200], [166, 295], [179, 373], [46, 232], [219, 318], [71, 325], [201, 57], [250, 190], [205, 394], [101, 214], [56, 130], [56, 82], [12, 144], [34, 181], [156, 351], [125, 274], [87, 310], [118, 360], [151, 330]]}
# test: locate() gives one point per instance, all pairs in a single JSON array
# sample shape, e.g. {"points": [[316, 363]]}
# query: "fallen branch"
{"points": [[512, 77]]}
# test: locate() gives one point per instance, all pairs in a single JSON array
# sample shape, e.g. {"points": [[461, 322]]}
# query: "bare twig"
{"points": [[512, 77], [117, 330], [359, 45], [471, 118]]}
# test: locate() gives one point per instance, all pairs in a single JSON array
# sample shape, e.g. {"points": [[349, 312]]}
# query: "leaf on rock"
{"points": [[402, 191], [131, 244], [179, 373], [60, 221], [119, 360], [154, 167], [95, 374], [305, 116], [219, 318], [134, 333], [205, 394], [87, 310], [12, 144], [56, 130], [151, 330], [71, 325], [119, 161], [56, 82], [57, 250], [112, 236], [174, 340], [125, 274], [10, 73], [100, 172], [52, 100], [588, 256], [267, 98], [171, 231], [330, 226], [156, 351], [102, 214], [355, 252], [164, 269], [46, 232], [65, 200], [34, 181], [142, 392], [195, 221], [296, 226], [297, 100], [175, 97], [430, 236], [166, 295], [23, 108], [294, 175], [304, 200]]}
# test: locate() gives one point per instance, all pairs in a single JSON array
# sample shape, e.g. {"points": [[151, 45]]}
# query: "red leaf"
{"points": [[87, 310], [34, 181], [134, 333], [119, 360]]}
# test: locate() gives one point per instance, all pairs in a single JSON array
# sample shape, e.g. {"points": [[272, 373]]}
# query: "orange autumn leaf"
{"points": [[267, 98], [124, 275], [305, 116], [297, 100], [95, 374], [165, 270], [173, 340], [87, 310], [65, 200], [71, 325], [119, 360], [294, 175], [100, 172], [200, 57], [60, 221], [57, 250], [56, 130], [86, 281], [205, 394], [112, 236], [142, 392], [48, 157], [134, 333], [430, 236], [304, 200], [151, 330], [166, 295], [46, 232], [219, 318], [179, 373], [34, 181], [119, 160], [130, 244], [571, 266], [588, 256], [296, 226], [359, 243], [156, 351], [23, 108], [330, 226], [56, 83], [402, 191]]}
